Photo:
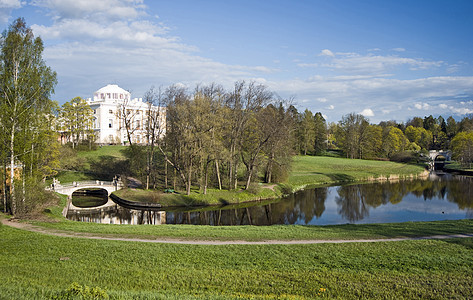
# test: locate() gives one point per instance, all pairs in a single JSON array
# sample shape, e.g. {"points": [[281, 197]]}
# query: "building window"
{"points": [[95, 111], [110, 123], [102, 96], [137, 124], [110, 111]]}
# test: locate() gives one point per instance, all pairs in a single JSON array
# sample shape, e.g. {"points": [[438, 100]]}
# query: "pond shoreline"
{"points": [[149, 205]]}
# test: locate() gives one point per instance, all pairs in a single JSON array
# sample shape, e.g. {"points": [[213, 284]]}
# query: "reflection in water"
{"points": [[439, 198], [117, 215]]}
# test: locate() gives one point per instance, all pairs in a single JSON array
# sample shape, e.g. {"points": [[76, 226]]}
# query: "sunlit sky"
{"points": [[388, 60]]}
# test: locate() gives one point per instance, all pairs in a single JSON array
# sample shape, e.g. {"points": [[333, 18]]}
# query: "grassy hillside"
{"points": [[317, 170], [35, 266]]}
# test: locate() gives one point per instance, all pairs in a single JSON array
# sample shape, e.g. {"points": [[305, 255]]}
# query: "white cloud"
{"points": [[399, 49], [443, 105], [6, 7], [304, 65], [423, 106], [461, 110], [326, 52], [103, 10], [367, 112], [323, 100], [377, 64], [331, 107]]}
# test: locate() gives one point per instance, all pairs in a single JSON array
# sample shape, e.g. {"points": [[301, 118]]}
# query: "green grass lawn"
{"points": [[35, 266], [111, 150], [318, 170]]}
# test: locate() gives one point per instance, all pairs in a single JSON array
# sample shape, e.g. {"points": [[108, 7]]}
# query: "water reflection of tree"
{"points": [[351, 202], [460, 191]]}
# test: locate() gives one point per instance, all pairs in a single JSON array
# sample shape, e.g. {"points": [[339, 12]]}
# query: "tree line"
{"points": [[355, 137]]}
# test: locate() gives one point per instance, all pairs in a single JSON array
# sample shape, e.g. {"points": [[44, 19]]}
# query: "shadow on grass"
{"points": [[340, 177], [407, 229], [466, 243], [223, 201], [105, 167]]}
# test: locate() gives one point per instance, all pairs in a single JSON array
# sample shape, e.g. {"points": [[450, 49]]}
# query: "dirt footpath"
{"points": [[42, 230]]}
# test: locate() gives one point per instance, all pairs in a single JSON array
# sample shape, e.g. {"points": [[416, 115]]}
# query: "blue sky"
{"points": [[388, 60]]}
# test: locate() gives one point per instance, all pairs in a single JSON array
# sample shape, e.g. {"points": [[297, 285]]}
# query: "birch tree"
{"points": [[77, 121], [26, 84]]}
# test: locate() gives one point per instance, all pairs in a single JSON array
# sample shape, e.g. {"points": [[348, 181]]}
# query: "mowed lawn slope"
{"points": [[37, 266], [318, 170]]}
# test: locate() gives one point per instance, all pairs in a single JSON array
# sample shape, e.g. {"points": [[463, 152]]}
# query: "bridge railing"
{"points": [[60, 186]]}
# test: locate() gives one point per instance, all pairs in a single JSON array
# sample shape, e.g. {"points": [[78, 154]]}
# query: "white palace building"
{"points": [[113, 108]]}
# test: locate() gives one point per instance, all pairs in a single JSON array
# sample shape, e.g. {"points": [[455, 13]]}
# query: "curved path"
{"points": [[32, 228]]}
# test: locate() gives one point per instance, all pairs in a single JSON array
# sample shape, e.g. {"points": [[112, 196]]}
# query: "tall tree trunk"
{"points": [[248, 180], [218, 175], [230, 171], [148, 169], [206, 176], [23, 186], [269, 168], [189, 179], [236, 176], [4, 187], [12, 170], [165, 174], [32, 159]]}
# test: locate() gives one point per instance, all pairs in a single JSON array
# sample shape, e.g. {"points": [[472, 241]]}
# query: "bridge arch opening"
{"points": [[439, 162], [89, 197]]}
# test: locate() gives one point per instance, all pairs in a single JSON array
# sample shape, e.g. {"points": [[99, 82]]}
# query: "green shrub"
{"points": [[77, 291], [254, 188], [405, 157]]}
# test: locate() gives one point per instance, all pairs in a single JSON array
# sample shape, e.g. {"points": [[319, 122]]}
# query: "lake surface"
{"points": [[444, 197]]}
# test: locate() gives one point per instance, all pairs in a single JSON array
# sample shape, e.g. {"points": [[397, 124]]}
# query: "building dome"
{"points": [[111, 92]]}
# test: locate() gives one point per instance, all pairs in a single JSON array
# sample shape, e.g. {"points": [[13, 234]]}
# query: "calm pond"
{"points": [[444, 197]]}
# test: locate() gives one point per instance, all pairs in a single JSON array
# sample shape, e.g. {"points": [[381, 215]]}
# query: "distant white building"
{"points": [[115, 112]]}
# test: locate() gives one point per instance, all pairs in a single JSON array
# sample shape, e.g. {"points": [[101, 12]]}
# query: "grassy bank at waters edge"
{"points": [[37, 266], [196, 198], [306, 171]]}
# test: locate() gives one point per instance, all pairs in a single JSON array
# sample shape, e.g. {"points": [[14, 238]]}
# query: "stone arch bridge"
{"points": [[69, 188], [435, 154]]}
